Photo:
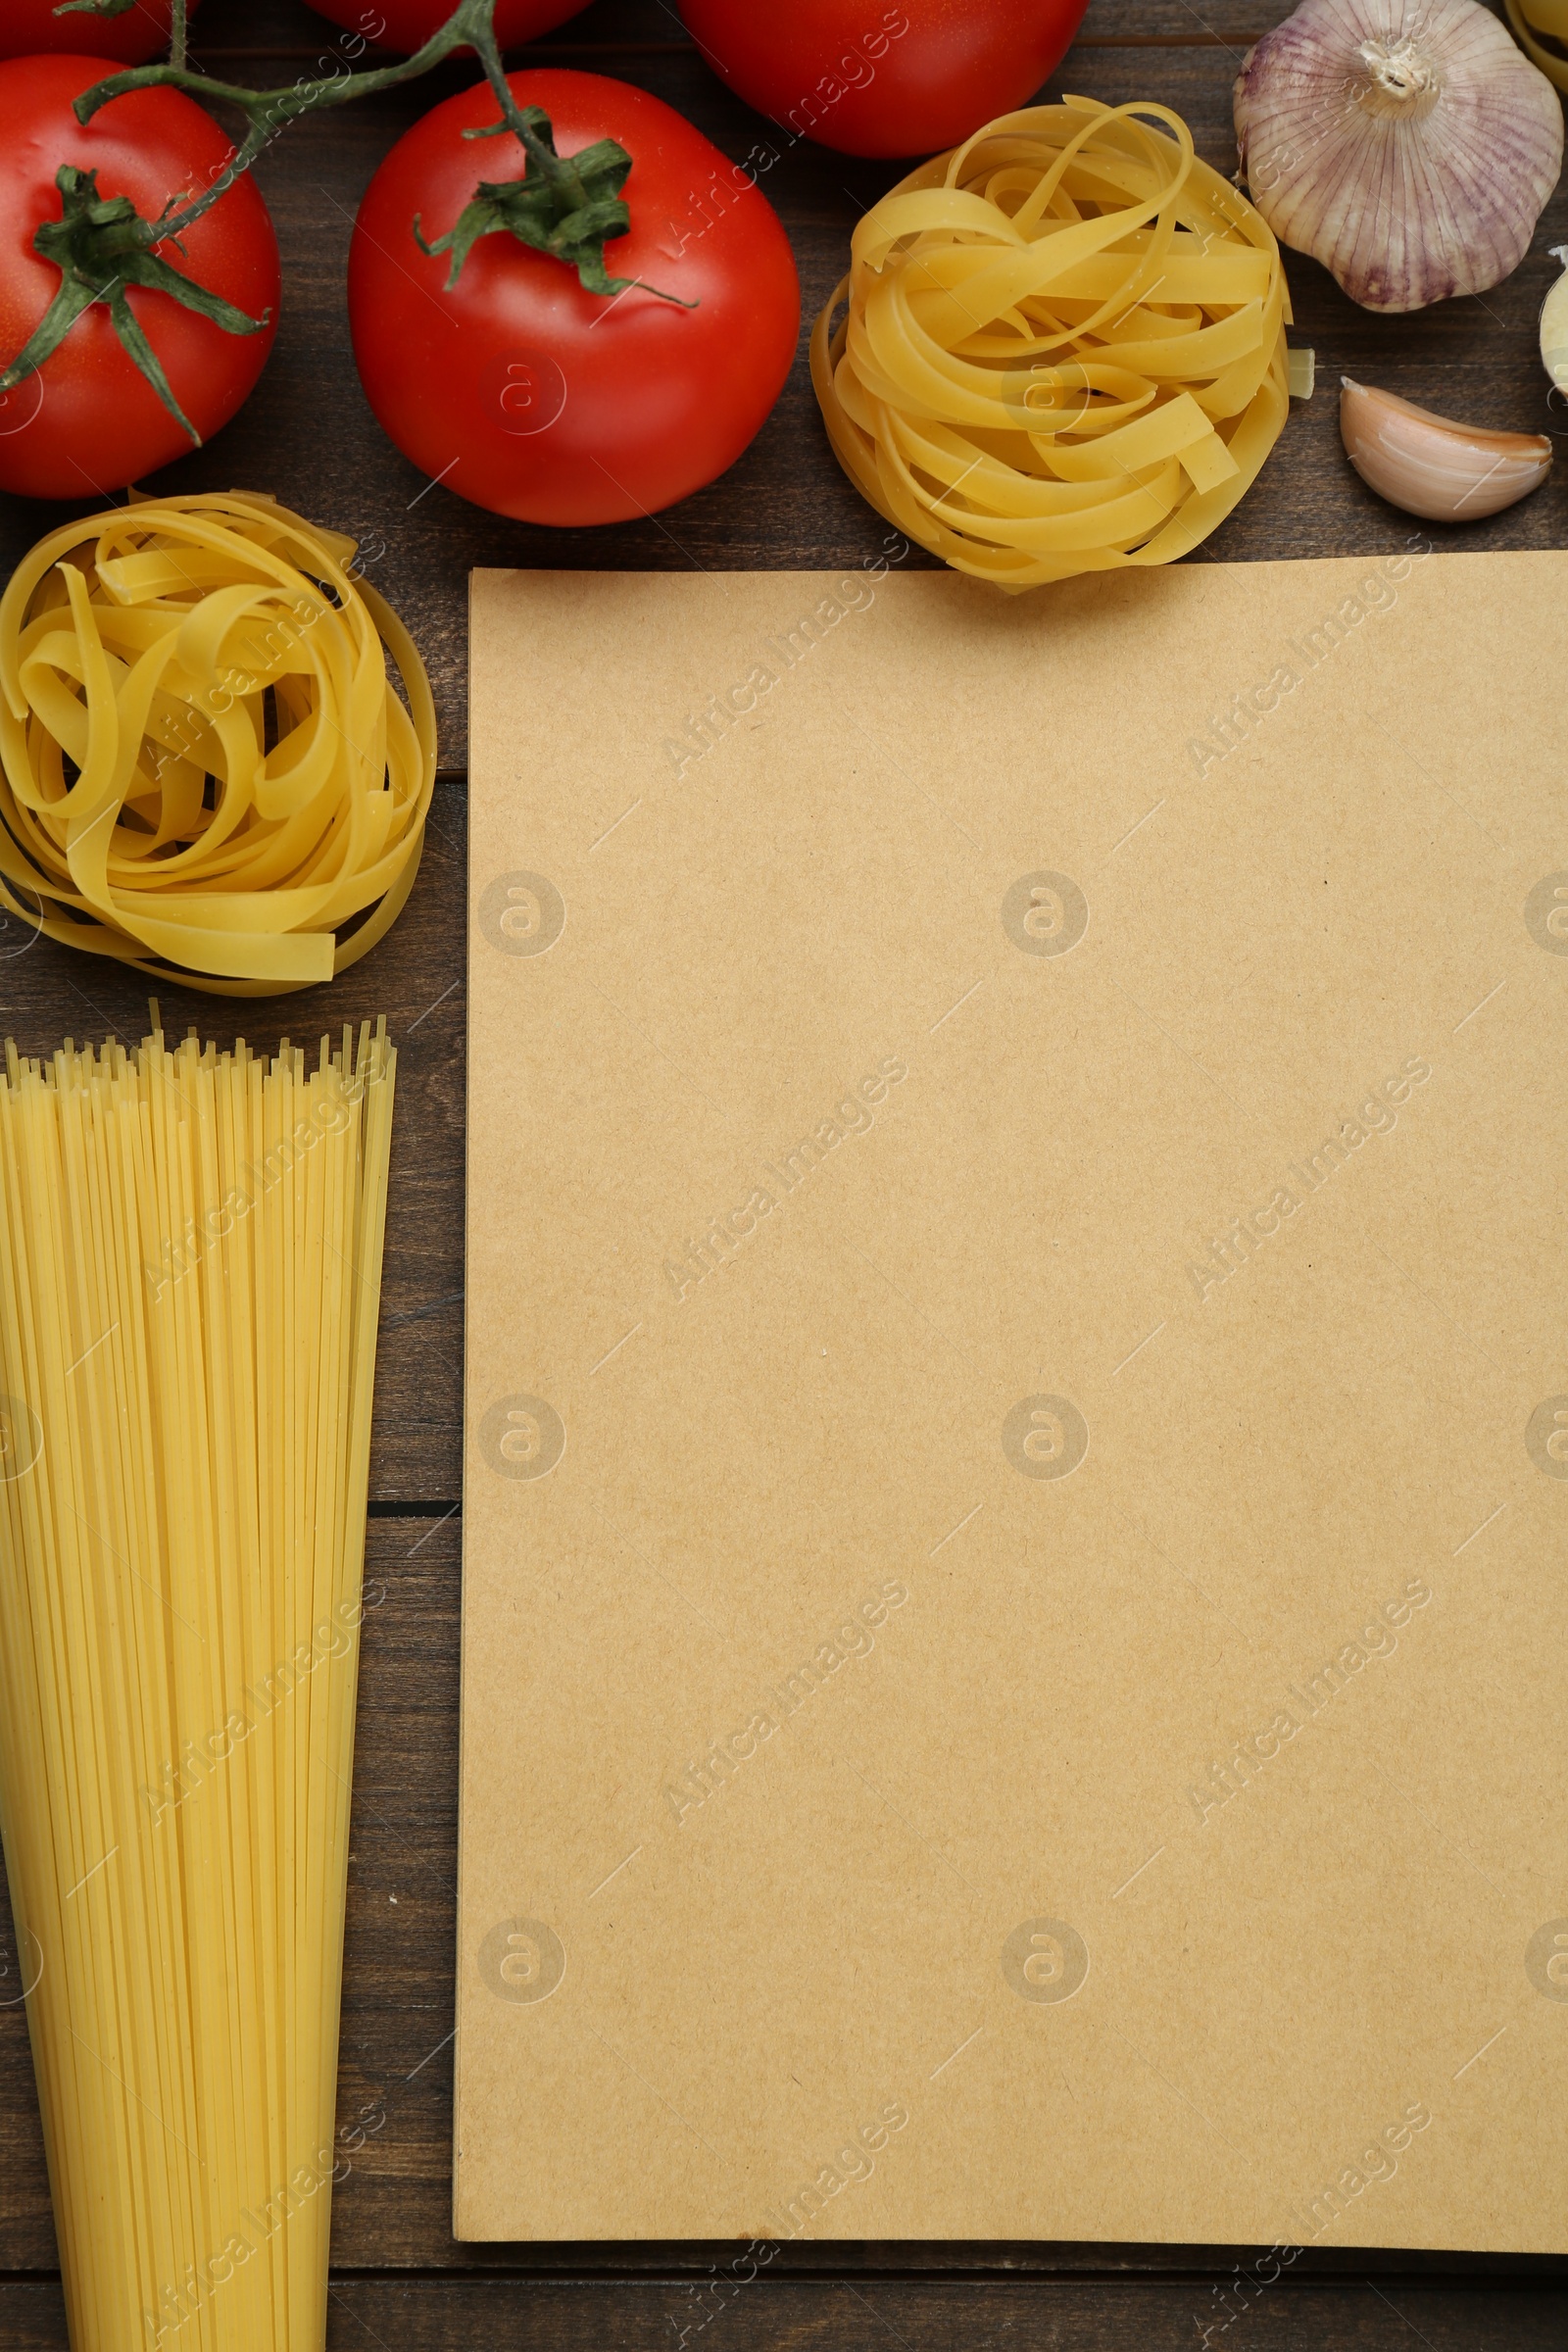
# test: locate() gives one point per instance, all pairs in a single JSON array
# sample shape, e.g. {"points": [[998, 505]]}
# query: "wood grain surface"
{"points": [[307, 433]]}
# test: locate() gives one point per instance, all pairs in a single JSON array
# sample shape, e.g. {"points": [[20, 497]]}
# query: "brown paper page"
{"points": [[1018, 1408]]}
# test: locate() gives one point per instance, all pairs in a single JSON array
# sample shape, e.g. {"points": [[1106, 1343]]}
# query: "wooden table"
{"points": [[307, 434]]}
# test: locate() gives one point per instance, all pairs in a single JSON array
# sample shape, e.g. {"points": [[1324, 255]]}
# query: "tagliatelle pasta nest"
{"points": [[1064, 349], [205, 770]]}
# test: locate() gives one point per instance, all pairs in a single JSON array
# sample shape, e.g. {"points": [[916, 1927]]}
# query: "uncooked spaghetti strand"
{"points": [[190, 1251]]}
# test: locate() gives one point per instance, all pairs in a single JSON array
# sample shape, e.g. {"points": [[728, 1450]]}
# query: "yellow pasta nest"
{"points": [[205, 770], [1064, 346]]}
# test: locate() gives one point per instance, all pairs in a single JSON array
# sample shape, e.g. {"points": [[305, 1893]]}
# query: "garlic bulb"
{"points": [[1405, 144], [1433, 466]]}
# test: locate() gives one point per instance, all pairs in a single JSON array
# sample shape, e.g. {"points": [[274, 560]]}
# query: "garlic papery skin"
{"points": [[1433, 466], [1405, 144]]}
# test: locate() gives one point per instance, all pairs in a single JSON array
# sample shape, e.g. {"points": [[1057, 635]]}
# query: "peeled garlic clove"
{"points": [[1405, 144], [1431, 465], [1554, 325]]}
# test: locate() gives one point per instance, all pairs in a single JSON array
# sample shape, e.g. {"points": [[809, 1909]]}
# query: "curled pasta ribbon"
{"points": [[206, 771], [1539, 21], [1064, 348]]}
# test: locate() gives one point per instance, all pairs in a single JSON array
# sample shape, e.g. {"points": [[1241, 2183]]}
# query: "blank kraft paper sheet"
{"points": [[1015, 1580]]}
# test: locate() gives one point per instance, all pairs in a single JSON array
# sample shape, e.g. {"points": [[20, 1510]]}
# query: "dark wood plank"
{"points": [[587, 2314], [832, 2315], [258, 28], [254, 29]]}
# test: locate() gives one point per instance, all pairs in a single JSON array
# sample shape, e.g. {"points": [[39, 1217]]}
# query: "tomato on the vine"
{"points": [[32, 28], [88, 420], [406, 24], [518, 387], [872, 79]]}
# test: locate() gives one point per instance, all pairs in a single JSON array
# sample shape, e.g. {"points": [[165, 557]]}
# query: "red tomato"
{"points": [[88, 422], [876, 80], [406, 24], [31, 28], [528, 395]]}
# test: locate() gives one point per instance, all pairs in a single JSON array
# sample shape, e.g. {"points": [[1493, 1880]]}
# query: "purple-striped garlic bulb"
{"points": [[1405, 144]]}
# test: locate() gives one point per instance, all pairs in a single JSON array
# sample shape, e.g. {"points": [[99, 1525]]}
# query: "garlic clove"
{"points": [[1405, 144], [1433, 466], [1554, 325]]}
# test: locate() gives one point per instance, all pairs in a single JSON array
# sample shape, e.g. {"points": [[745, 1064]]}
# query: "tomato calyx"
{"points": [[102, 246], [568, 205]]}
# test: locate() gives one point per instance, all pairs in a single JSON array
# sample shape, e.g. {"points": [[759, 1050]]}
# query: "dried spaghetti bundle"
{"points": [[206, 771], [1064, 348], [190, 1256]]}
